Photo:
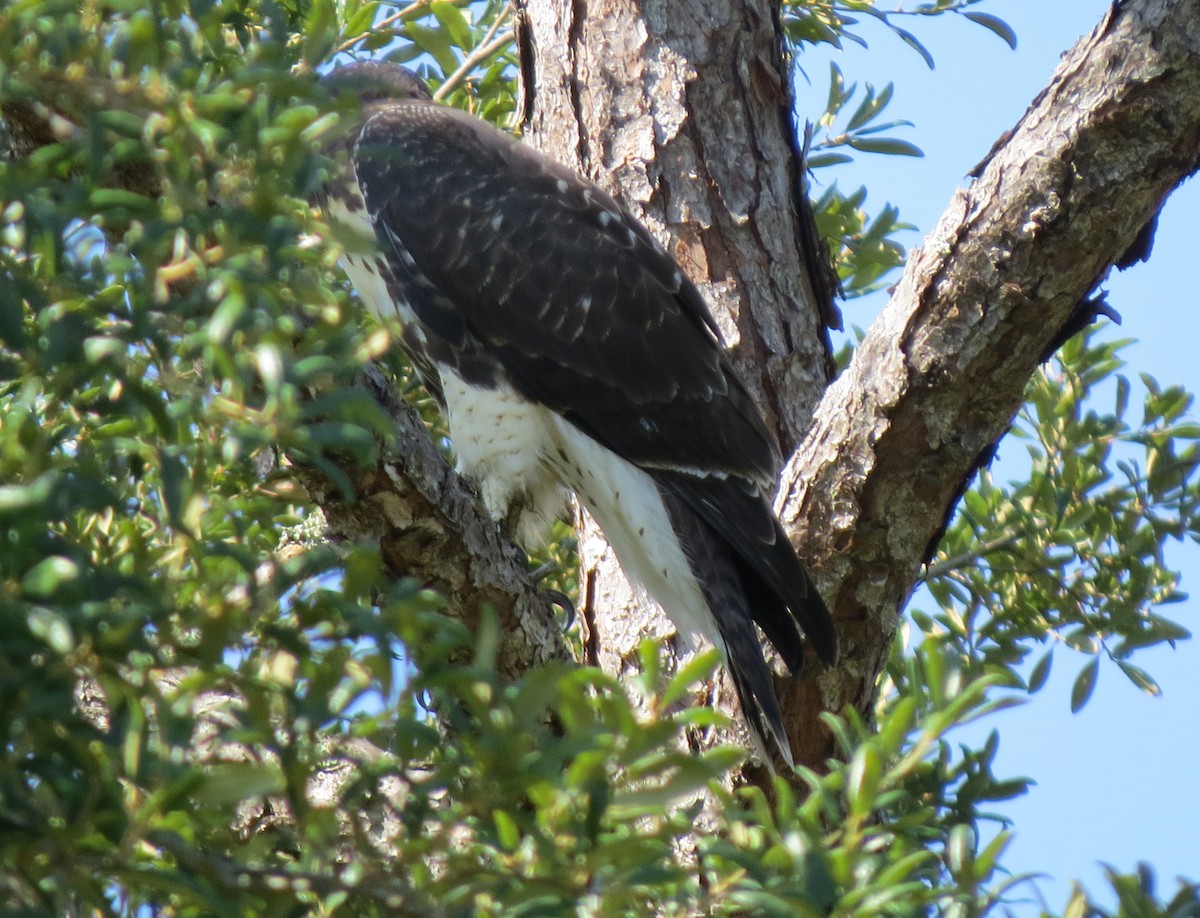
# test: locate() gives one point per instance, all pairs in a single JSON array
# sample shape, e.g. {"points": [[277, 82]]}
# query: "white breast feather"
{"points": [[517, 450], [501, 439]]}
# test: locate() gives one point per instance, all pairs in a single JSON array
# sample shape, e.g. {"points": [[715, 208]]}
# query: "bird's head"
{"points": [[359, 88], [372, 82]]}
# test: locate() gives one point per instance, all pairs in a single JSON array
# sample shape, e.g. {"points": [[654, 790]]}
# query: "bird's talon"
{"points": [[563, 601]]}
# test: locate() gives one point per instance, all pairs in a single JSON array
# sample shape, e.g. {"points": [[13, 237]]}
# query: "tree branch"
{"points": [[942, 372], [431, 526]]}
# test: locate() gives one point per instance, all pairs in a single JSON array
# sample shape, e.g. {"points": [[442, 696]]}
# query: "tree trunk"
{"points": [[681, 109]]}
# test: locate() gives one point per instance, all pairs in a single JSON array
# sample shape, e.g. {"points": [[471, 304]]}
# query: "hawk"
{"points": [[570, 353]]}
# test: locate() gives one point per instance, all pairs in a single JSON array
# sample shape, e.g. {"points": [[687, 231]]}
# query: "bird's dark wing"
{"points": [[504, 252], [772, 577]]}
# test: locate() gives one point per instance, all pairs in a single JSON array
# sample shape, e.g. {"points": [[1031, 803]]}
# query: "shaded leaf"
{"points": [[1085, 684]]}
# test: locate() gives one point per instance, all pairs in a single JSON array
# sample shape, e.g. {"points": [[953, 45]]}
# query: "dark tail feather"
{"points": [[783, 599], [729, 593], [756, 693]]}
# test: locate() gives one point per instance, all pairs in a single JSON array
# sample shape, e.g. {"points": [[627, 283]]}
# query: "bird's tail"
{"points": [[729, 587], [756, 694]]}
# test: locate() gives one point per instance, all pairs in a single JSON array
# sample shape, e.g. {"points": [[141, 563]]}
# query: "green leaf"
{"points": [[911, 40], [105, 200], [889, 145], [53, 628], [50, 575], [960, 851], [996, 25], [435, 43], [1140, 678], [1040, 672], [1122, 396], [838, 93], [320, 30], [506, 830], [820, 160], [870, 106], [699, 668], [1085, 684], [176, 488], [862, 779], [454, 22], [361, 20]]}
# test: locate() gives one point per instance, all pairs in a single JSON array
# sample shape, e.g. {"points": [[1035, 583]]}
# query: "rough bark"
{"points": [[673, 105], [683, 111], [942, 372]]}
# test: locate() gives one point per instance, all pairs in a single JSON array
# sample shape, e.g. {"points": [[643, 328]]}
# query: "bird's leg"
{"points": [[552, 596], [512, 524]]}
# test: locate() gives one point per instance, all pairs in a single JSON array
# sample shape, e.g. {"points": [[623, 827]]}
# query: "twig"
{"points": [[482, 52], [950, 564], [382, 24]]}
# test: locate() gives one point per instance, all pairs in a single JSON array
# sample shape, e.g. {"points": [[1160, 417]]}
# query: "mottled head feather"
{"points": [[375, 81]]}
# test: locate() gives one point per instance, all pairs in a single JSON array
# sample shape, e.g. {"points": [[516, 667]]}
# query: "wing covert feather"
{"points": [[501, 249]]}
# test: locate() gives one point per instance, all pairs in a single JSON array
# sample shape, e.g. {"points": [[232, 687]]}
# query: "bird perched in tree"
{"points": [[569, 352]]}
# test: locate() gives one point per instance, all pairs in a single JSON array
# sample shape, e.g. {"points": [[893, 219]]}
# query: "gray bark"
{"points": [[679, 108], [942, 372], [674, 106]]}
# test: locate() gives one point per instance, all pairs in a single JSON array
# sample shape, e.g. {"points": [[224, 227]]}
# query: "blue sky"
{"points": [[1117, 782]]}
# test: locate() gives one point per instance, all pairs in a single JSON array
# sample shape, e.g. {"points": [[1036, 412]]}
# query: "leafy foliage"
{"points": [[833, 21], [864, 249], [1073, 555], [205, 710]]}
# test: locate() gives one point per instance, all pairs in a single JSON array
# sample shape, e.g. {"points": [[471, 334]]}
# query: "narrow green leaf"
{"points": [[820, 160], [104, 200], [960, 852], [693, 672], [889, 145], [1140, 678], [911, 40], [862, 779], [1041, 672], [320, 30], [1085, 684], [52, 628], [454, 22], [988, 857], [436, 43], [176, 488], [996, 25], [506, 830], [361, 20], [837, 90]]}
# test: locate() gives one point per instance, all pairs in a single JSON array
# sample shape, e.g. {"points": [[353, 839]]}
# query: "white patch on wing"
{"points": [[520, 451], [359, 265], [626, 503]]}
